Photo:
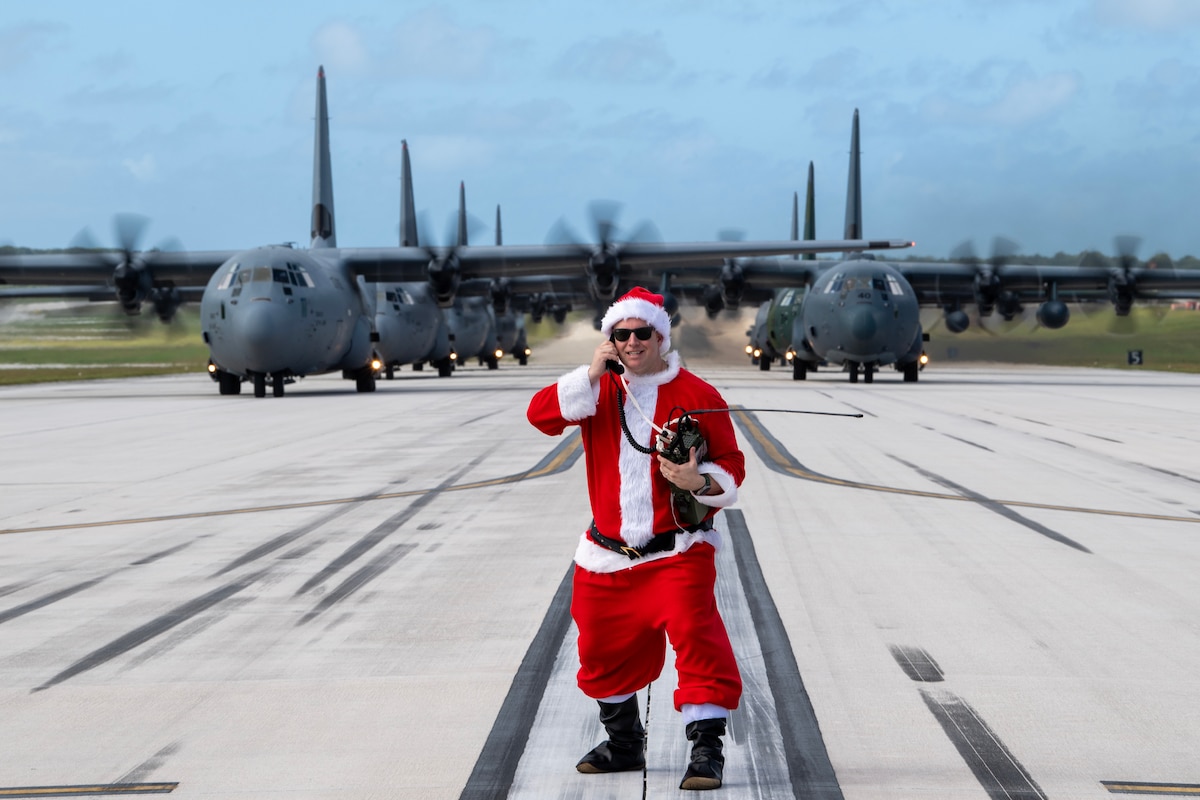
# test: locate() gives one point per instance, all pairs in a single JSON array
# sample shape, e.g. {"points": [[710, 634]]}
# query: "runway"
{"points": [[986, 587]]}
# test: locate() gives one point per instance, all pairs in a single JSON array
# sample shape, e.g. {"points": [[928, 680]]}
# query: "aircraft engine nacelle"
{"points": [[1053, 314], [733, 285], [444, 278], [604, 270], [133, 285], [501, 294], [1009, 305], [166, 301], [957, 320], [713, 300], [1120, 292]]}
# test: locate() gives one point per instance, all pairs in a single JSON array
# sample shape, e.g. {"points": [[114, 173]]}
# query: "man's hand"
{"points": [[685, 476], [606, 352]]}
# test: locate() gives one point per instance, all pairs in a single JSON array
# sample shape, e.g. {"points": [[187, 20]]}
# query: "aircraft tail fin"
{"points": [[408, 213], [795, 220], [854, 221], [810, 214], [323, 231], [461, 238]]}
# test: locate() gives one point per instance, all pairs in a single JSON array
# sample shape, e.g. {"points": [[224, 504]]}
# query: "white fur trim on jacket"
{"points": [[637, 504], [595, 558], [637, 308], [578, 397], [721, 478]]}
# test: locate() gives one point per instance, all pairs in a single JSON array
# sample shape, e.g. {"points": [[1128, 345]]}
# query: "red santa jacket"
{"points": [[630, 499]]}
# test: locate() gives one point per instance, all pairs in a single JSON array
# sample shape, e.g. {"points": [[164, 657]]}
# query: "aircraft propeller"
{"points": [[132, 270], [444, 271], [990, 294], [603, 264]]}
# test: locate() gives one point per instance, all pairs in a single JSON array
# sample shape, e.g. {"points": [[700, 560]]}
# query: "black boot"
{"points": [[707, 764], [625, 748]]}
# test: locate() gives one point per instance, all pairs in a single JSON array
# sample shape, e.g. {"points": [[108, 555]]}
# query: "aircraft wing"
{"points": [[76, 269], [938, 283], [636, 259]]}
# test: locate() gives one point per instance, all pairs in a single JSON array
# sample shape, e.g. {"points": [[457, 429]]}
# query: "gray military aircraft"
{"points": [[864, 313], [276, 313]]}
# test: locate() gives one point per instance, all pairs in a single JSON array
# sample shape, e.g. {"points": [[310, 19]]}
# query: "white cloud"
{"points": [[1153, 15], [626, 58], [1029, 99], [144, 169], [20, 43], [340, 46]]}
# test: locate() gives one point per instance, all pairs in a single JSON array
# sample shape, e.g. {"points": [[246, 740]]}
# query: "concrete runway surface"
{"points": [[986, 587]]}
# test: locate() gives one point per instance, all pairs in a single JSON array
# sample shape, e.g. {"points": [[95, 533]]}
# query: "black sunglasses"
{"points": [[622, 334]]}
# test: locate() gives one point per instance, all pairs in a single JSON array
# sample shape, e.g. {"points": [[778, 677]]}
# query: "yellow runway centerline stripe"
{"points": [[1168, 789], [94, 790]]}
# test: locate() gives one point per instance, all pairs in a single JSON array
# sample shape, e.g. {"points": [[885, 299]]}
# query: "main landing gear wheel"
{"points": [[277, 384], [365, 383], [764, 362], [228, 383], [852, 366], [911, 371], [260, 384], [799, 370], [869, 373]]}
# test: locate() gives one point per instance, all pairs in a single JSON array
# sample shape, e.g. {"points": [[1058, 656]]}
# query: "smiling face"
{"points": [[640, 357]]}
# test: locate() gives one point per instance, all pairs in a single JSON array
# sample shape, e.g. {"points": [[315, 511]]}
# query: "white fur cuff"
{"points": [[578, 398], [722, 480]]}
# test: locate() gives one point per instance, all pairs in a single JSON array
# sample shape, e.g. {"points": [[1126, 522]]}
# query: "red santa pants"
{"points": [[625, 619]]}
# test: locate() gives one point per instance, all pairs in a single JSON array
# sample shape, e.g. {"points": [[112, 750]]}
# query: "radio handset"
{"points": [[615, 367]]}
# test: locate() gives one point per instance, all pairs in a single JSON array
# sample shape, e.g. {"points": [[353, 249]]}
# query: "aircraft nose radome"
{"points": [[862, 324], [263, 334]]}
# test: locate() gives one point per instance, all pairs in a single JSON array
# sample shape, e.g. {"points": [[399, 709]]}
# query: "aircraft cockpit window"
{"points": [[244, 276], [878, 284], [279, 275], [405, 297], [261, 275], [227, 281], [894, 285], [835, 284], [849, 285], [300, 275]]}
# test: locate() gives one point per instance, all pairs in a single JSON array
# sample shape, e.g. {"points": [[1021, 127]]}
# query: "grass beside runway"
{"points": [[1168, 340], [55, 342], [42, 341]]}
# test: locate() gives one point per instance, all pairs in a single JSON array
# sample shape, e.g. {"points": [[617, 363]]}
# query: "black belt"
{"points": [[661, 543]]}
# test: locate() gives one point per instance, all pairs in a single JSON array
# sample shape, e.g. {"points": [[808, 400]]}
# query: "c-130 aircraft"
{"points": [[272, 314], [864, 313]]}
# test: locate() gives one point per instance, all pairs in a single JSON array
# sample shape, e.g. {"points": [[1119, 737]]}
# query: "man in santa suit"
{"points": [[643, 575]]}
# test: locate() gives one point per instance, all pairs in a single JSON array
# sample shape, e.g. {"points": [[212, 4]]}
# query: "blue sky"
{"points": [[1056, 124]]}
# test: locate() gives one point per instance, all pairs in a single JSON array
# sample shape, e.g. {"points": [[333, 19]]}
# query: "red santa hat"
{"points": [[639, 303]]}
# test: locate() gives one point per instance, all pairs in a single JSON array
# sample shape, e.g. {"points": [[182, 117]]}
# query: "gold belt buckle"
{"points": [[630, 552]]}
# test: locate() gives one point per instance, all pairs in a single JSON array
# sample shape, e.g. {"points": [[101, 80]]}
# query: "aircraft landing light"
{"points": [[1134, 787], [103, 789]]}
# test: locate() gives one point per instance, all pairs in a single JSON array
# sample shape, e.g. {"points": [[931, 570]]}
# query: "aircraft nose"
{"points": [[862, 324], [262, 332]]}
